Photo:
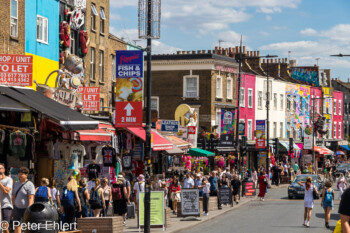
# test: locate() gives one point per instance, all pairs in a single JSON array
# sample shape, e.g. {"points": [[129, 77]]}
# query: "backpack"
{"points": [[329, 196], [95, 199], [116, 192], [82, 196], [67, 199], [41, 194]]}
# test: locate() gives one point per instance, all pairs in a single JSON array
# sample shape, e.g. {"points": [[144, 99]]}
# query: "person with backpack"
{"points": [[97, 201], [107, 195], [22, 196], [119, 197], [43, 193], [327, 202], [70, 192], [55, 194], [84, 198]]}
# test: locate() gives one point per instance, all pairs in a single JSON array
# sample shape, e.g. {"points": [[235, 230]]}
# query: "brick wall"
{"points": [[8, 44]]}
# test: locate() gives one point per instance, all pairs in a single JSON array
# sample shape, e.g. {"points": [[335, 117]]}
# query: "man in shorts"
{"points": [[5, 198], [22, 197]]}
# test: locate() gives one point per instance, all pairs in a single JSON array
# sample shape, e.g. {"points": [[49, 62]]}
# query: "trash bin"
{"points": [[41, 217]]}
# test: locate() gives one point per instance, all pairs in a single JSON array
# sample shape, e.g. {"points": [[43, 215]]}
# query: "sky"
{"points": [[306, 30]]}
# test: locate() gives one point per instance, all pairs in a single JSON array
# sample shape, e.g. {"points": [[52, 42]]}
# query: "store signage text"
{"points": [[129, 64], [16, 70], [170, 126], [226, 69], [91, 98]]}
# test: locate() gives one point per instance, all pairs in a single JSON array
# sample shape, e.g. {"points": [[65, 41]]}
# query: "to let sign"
{"points": [[191, 129], [91, 98], [128, 114], [16, 70]]}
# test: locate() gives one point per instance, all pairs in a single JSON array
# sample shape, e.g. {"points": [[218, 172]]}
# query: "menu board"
{"points": [[225, 196], [190, 202], [249, 189], [157, 209]]}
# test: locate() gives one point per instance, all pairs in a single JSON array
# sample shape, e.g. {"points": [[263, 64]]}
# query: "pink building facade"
{"points": [[247, 106], [337, 113]]}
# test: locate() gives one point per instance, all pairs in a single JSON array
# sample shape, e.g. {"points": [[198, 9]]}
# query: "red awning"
{"points": [[95, 135], [323, 151], [158, 142]]}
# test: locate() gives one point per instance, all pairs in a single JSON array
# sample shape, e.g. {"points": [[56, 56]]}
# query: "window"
{"points": [[339, 130], [241, 97], [229, 89], [281, 130], [42, 28], [329, 109], [335, 107], [260, 98], [339, 107], [345, 109], [275, 101], [102, 21], [275, 129], [324, 105], [281, 102], [100, 66], [114, 68], [219, 87], [250, 130], [294, 104], [14, 18], [155, 103], [318, 105], [250, 98], [191, 85], [265, 89], [288, 103], [93, 17], [92, 63], [101, 104], [288, 130], [345, 129], [335, 130]]}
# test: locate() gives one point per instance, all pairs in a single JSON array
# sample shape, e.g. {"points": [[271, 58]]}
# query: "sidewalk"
{"points": [[177, 225]]}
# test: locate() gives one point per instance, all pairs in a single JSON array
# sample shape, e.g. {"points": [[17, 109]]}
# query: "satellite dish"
{"points": [[182, 114]]}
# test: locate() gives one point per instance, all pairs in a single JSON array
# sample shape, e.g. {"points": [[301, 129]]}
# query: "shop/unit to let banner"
{"points": [[91, 98], [129, 88], [16, 70], [157, 208]]}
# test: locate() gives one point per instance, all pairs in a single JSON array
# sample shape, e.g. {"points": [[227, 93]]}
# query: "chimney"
{"points": [[229, 50], [237, 49], [203, 51], [209, 51], [199, 51], [193, 52], [178, 52], [216, 49], [258, 53], [254, 53], [188, 52], [243, 50]]}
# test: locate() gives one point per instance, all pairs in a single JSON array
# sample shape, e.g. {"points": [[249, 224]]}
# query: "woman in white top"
{"points": [[107, 195], [308, 199], [341, 184], [55, 194]]}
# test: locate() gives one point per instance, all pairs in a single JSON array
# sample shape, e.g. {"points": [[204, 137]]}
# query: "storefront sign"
{"points": [[226, 69], [16, 70], [249, 189], [260, 134], [225, 196], [183, 132], [170, 126], [129, 63], [91, 98], [318, 142], [190, 202], [191, 129], [157, 209], [129, 114], [308, 138], [226, 140], [228, 121], [241, 128]]}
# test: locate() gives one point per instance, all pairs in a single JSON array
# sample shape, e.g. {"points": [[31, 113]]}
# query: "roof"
{"points": [[113, 37], [7, 104], [67, 118], [195, 56]]}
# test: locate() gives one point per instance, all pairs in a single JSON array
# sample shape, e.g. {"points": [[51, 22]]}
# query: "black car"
{"points": [[342, 168], [297, 191]]}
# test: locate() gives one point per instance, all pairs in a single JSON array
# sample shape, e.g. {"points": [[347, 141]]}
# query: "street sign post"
{"points": [[170, 126]]}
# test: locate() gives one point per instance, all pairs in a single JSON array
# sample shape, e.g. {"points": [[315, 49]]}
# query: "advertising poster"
{"points": [[129, 88], [260, 134], [157, 209], [241, 128], [16, 70], [190, 202], [308, 138], [228, 121], [91, 98]]}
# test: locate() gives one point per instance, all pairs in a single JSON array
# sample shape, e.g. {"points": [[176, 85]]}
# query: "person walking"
{"points": [[97, 201], [43, 193], [55, 194], [107, 195], [344, 211], [198, 183], [254, 177], [5, 198], [84, 198], [235, 187], [224, 181], [327, 202], [69, 198], [119, 197], [188, 182], [139, 186], [206, 191], [175, 190], [308, 199], [341, 185], [262, 185]]}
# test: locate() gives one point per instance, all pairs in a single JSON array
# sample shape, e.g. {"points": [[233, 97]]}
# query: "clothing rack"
{"points": [[13, 127]]}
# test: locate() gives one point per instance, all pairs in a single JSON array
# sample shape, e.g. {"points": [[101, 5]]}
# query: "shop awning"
{"points": [[67, 118], [346, 147], [7, 104], [175, 150], [323, 150], [286, 145], [182, 144], [95, 135], [158, 142], [200, 152]]}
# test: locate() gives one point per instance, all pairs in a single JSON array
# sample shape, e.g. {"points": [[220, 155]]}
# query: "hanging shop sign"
{"points": [[170, 126], [241, 128], [190, 202], [183, 132], [260, 134], [129, 88], [227, 121], [16, 70], [63, 96], [226, 140], [157, 209], [308, 138], [191, 129], [91, 98]]}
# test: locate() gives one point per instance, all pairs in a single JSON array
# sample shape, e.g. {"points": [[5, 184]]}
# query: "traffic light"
{"points": [[291, 145], [275, 146], [244, 145]]}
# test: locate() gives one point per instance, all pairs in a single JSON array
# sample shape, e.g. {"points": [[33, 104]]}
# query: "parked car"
{"points": [[297, 191], [342, 168]]}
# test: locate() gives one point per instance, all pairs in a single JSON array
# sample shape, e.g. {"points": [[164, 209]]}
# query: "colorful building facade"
{"points": [[337, 115]]}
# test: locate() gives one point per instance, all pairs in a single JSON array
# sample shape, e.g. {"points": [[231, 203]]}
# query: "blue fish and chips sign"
{"points": [[129, 64], [170, 126]]}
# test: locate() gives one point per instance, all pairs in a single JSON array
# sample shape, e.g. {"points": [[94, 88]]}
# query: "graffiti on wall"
{"points": [[308, 75], [298, 117]]}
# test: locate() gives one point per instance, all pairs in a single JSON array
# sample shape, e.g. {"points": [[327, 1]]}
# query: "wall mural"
{"points": [[299, 115], [308, 75]]}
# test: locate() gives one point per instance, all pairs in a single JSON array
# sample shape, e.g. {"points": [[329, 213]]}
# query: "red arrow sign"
{"points": [[128, 114]]}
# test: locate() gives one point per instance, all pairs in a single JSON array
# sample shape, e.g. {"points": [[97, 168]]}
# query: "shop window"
{"points": [[14, 19], [42, 29]]}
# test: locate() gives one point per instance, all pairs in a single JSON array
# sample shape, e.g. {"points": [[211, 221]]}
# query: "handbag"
{"points": [[314, 194]]}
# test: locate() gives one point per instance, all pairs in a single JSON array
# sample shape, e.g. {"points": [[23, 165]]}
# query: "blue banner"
{"points": [[170, 126], [129, 63]]}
